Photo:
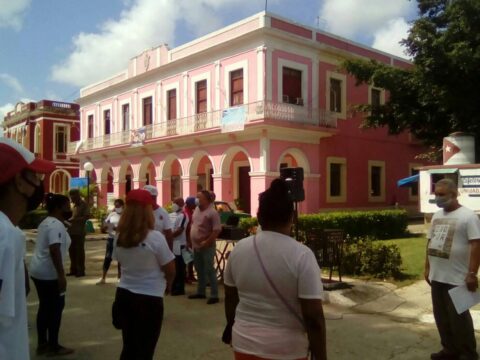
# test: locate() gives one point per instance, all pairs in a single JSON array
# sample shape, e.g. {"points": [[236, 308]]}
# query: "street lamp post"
{"points": [[88, 166]]}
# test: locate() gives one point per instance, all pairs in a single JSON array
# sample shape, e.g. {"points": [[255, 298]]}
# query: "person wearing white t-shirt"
{"points": [[453, 259], [48, 275], [180, 222], [273, 289], [21, 190], [110, 225], [148, 270], [162, 219]]}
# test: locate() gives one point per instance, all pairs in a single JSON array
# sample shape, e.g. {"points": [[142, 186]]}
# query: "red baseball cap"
{"points": [[140, 196], [14, 158]]}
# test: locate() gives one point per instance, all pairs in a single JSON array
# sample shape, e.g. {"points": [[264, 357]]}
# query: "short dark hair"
{"points": [[120, 201], [275, 205], [55, 201], [74, 191], [207, 194]]}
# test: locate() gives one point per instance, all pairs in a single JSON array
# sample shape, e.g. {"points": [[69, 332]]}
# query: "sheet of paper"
{"points": [[463, 299]]}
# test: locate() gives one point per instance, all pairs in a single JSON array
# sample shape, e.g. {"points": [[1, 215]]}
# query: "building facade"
{"points": [[226, 111], [46, 128]]}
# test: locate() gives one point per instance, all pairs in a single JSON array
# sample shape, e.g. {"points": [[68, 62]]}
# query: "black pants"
{"points": [[77, 255], [49, 315], [108, 255], [141, 317], [456, 330], [178, 286]]}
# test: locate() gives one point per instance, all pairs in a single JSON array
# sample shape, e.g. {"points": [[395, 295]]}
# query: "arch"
{"points": [[166, 167], [195, 161], [299, 156], [37, 142], [145, 167], [106, 168], [124, 166], [59, 181], [228, 157]]}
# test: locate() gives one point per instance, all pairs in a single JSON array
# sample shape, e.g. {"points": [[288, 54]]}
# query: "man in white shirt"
{"points": [[162, 219], [21, 190], [180, 222], [453, 259]]}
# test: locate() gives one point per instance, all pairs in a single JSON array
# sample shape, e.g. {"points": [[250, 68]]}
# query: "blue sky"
{"points": [[49, 49]]}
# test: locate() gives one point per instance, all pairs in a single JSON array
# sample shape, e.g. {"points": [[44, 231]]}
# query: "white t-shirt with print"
{"points": [[13, 303], [264, 326], [449, 246], [162, 220], [50, 231], [111, 222], [179, 219], [141, 265]]}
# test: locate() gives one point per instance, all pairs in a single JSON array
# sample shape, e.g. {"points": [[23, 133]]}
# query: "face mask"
{"points": [[443, 201], [37, 196], [197, 202], [67, 214], [175, 208], [119, 210]]}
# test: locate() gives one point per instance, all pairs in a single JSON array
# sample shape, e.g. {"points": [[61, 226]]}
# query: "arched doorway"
{"points": [[237, 164], [59, 182], [175, 180]]}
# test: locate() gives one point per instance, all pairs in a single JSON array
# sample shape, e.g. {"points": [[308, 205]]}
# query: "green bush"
{"points": [[100, 213], [367, 257], [381, 224], [32, 219], [248, 224]]}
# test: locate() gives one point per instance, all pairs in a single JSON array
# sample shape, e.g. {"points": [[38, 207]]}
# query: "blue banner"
{"points": [[233, 119], [78, 182]]}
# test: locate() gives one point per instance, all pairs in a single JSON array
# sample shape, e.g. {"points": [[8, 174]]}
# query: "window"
{"points": [[292, 86], [147, 111], [335, 95], [336, 179], [172, 104], [201, 92], [60, 139], [90, 126], [106, 119], [236, 87], [125, 117], [376, 181], [375, 97], [38, 140]]}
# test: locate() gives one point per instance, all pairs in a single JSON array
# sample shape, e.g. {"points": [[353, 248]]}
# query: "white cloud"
{"points": [[11, 13], [382, 23], [11, 82], [388, 38], [146, 23]]}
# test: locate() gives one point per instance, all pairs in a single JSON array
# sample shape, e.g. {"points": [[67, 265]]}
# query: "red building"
{"points": [[46, 128]]}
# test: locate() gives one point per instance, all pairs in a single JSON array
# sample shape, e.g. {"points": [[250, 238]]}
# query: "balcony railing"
{"points": [[257, 111]]}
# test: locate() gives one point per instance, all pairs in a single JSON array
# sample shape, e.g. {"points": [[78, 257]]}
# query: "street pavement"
{"points": [[371, 320]]}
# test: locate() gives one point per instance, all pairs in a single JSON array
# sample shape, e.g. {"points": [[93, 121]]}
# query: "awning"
{"points": [[443, 171], [409, 181]]}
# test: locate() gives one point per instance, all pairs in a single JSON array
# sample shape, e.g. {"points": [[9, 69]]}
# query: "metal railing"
{"points": [[254, 112]]}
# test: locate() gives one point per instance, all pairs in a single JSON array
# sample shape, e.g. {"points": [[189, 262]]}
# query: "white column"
{"points": [[260, 74], [269, 74], [114, 118], [217, 85], [185, 99], [159, 102], [136, 123], [264, 153], [315, 82]]}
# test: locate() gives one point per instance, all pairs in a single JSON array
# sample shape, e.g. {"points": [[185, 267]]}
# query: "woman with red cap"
{"points": [[148, 269]]}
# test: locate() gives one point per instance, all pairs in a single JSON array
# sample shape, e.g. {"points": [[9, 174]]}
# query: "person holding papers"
{"points": [[453, 258]]}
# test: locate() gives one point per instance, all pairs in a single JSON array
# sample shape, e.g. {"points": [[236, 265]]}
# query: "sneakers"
{"points": [[59, 351], [197, 296], [101, 281], [213, 301], [443, 355]]}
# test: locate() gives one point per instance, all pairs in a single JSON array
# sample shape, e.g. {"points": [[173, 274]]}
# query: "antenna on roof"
{"points": [[266, 4]]}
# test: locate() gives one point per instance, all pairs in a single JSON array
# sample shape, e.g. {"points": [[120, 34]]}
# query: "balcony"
{"points": [[266, 111]]}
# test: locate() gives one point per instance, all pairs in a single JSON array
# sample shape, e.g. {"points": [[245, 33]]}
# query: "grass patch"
{"points": [[412, 251]]}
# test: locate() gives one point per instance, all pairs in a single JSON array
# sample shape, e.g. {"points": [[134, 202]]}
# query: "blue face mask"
{"points": [[443, 201]]}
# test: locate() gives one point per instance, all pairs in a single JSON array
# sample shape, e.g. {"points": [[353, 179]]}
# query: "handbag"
{"points": [[279, 294]]}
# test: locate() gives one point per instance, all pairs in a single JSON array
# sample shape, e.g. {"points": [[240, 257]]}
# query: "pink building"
{"points": [[228, 110], [46, 128]]}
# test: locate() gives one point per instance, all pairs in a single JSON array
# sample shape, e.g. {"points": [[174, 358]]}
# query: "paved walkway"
{"points": [[369, 321]]}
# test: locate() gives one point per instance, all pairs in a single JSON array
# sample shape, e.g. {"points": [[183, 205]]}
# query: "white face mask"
{"points": [[197, 202], [176, 208], [119, 210]]}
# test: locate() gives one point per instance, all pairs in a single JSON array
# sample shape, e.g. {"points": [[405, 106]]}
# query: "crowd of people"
{"points": [[273, 288]]}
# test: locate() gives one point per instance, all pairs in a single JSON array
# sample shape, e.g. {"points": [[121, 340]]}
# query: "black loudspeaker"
{"points": [[294, 179]]}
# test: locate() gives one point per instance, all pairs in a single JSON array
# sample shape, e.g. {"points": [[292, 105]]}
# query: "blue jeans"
{"points": [[203, 260]]}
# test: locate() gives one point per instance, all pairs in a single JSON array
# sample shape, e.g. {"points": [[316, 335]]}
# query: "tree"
{"points": [[440, 93]]}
